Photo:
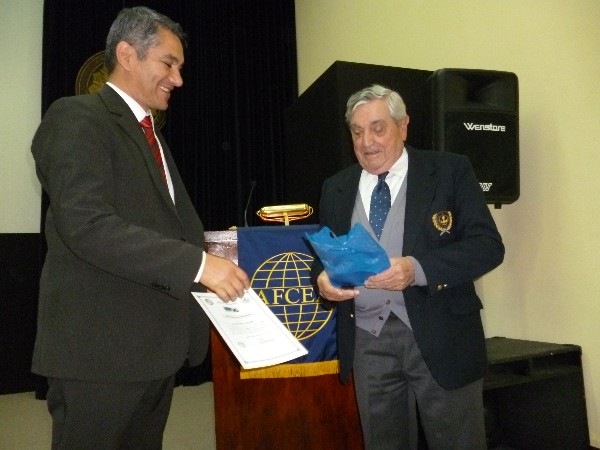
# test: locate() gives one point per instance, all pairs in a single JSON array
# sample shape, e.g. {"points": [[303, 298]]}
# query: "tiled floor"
{"points": [[25, 422]]}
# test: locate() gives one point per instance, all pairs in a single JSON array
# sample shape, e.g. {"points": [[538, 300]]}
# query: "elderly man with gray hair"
{"points": [[412, 334]]}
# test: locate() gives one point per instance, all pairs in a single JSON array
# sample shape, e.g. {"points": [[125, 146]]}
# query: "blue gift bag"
{"points": [[350, 259]]}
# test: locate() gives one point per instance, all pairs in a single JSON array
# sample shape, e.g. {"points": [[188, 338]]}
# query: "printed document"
{"points": [[253, 333]]}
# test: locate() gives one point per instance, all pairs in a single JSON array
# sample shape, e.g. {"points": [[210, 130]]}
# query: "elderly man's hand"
{"points": [[398, 277], [330, 292]]}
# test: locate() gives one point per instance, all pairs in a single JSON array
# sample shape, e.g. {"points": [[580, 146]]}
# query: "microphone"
{"points": [[252, 186]]}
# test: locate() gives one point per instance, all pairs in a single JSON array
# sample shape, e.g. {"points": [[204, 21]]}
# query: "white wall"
{"points": [[548, 288], [20, 113]]}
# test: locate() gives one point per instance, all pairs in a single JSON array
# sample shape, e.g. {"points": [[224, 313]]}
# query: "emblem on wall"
{"points": [[93, 74]]}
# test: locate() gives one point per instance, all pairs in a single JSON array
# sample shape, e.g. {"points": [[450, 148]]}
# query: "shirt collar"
{"points": [[399, 168], [135, 107]]}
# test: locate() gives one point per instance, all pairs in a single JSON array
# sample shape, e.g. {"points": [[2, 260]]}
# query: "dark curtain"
{"points": [[225, 125]]}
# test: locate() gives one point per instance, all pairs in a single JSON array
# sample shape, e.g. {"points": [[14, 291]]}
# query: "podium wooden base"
{"points": [[281, 413], [277, 413]]}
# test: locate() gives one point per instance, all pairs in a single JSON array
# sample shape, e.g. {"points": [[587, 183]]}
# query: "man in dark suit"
{"points": [[125, 248], [412, 334]]}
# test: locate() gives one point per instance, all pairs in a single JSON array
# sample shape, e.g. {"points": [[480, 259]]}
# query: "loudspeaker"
{"points": [[476, 113], [318, 142]]}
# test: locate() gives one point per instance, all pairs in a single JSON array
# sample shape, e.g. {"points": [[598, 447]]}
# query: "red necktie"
{"points": [[146, 124]]}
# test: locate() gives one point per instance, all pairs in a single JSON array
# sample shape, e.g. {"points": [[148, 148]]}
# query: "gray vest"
{"points": [[373, 306]]}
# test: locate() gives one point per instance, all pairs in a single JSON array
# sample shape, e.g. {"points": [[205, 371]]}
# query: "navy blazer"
{"points": [[445, 314], [115, 302]]}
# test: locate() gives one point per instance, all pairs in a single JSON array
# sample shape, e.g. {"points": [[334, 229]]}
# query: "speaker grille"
{"points": [[475, 113], [489, 140]]}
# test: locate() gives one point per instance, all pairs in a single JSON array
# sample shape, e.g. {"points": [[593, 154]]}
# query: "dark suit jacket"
{"points": [[115, 302], [445, 315]]}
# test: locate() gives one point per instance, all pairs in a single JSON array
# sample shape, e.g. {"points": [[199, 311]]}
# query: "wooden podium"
{"points": [[290, 413]]}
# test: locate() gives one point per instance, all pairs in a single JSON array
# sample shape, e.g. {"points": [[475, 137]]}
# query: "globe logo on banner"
{"points": [[278, 261], [283, 283]]}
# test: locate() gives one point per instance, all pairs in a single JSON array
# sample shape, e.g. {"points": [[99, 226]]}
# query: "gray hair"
{"points": [[376, 92], [139, 27]]}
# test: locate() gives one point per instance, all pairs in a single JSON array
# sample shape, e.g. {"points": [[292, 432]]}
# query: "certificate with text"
{"points": [[252, 332]]}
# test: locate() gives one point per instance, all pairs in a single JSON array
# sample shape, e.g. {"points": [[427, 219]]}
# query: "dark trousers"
{"points": [[103, 416], [392, 381]]}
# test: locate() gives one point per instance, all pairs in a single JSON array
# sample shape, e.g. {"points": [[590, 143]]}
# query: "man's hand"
{"points": [[398, 277], [330, 292], [224, 278]]}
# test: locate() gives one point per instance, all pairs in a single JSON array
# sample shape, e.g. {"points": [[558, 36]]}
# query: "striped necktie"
{"points": [[146, 124]]}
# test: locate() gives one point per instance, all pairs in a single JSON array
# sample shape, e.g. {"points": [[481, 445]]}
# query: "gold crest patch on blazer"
{"points": [[442, 221]]}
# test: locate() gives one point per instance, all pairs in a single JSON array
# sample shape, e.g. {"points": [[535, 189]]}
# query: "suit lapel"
{"points": [[420, 189], [168, 161], [126, 120]]}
